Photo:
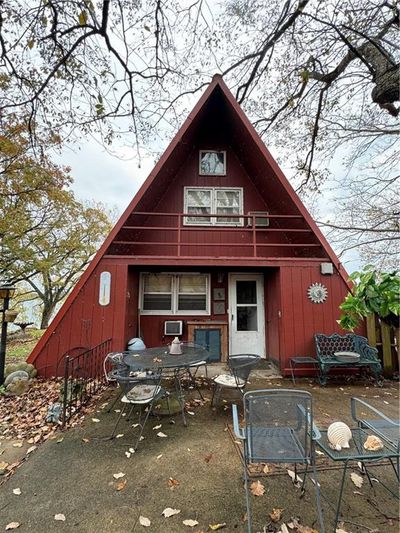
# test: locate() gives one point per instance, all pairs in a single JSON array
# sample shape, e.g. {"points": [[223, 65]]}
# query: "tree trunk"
{"points": [[48, 310]]}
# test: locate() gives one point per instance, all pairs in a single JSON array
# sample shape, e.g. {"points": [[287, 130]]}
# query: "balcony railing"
{"points": [[169, 234]]}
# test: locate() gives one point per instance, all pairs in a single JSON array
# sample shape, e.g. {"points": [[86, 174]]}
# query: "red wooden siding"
{"points": [[273, 311], [86, 323], [301, 318]]}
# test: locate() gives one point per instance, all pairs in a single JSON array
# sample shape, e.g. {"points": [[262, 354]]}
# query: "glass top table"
{"points": [[358, 453]]}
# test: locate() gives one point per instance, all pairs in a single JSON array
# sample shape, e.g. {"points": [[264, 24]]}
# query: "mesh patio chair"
{"points": [[278, 428], [139, 391], [388, 429], [240, 367]]}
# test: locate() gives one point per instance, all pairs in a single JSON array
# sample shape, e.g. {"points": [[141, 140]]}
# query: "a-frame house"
{"points": [[215, 247]]}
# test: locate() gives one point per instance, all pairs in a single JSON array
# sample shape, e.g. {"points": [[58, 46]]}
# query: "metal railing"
{"points": [[83, 377], [184, 234]]}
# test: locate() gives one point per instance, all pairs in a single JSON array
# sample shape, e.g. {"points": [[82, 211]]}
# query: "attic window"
{"points": [[212, 163]]}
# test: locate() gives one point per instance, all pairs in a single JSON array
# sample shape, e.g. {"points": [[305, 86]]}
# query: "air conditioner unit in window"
{"points": [[173, 327], [260, 222]]}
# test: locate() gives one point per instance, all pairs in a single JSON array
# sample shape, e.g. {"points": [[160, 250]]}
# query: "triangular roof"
{"points": [[259, 150]]}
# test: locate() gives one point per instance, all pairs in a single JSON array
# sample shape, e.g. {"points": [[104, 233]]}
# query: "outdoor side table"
{"points": [[356, 453], [302, 360]]}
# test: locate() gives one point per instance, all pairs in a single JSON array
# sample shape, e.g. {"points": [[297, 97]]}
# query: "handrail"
{"points": [[242, 232]]}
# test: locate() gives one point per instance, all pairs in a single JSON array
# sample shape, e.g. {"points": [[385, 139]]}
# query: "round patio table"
{"points": [[160, 360]]}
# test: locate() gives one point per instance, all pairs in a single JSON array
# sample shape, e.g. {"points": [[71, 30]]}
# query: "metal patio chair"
{"points": [[278, 428], [139, 391], [240, 367], [388, 429]]}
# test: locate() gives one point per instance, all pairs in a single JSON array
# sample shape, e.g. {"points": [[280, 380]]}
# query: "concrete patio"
{"points": [[196, 470]]}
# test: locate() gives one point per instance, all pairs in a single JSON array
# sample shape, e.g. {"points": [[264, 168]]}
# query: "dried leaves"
{"points": [[357, 480], [257, 488]]}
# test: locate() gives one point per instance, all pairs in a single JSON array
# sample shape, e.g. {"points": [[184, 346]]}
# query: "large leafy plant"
{"points": [[373, 292]]}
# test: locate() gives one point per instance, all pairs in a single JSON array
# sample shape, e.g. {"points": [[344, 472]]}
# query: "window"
{"points": [[213, 200], [175, 294], [212, 163]]}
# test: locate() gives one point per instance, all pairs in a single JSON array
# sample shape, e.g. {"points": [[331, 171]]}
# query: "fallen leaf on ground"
{"points": [[59, 440], [17, 445], [121, 485], [257, 488], [357, 480], [319, 452], [168, 511], [276, 514], [95, 420], [190, 523], [161, 434], [284, 528], [159, 456], [296, 479], [119, 475], [266, 469], [215, 527], [157, 427], [12, 525], [85, 440], [172, 482], [60, 517], [17, 491], [190, 413], [119, 435], [208, 457], [339, 530], [143, 521], [3, 465], [31, 449]]}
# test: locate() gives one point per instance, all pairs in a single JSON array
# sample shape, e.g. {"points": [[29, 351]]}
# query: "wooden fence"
{"points": [[386, 339]]}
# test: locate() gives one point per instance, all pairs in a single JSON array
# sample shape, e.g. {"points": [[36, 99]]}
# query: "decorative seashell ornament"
{"points": [[373, 443], [339, 435]]}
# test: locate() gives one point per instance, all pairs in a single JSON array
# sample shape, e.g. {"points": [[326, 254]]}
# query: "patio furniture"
{"points": [[193, 368], [160, 360], [302, 360], [346, 351], [141, 392], [356, 453], [278, 426], [240, 367], [367, 417]]}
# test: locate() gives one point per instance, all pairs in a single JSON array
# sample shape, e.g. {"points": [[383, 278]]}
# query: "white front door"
{"points": [[246, 305]]}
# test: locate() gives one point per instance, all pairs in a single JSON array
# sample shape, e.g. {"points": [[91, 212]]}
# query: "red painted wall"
{"points": [[86, 323], [273, 306], [301, 318], [172, 201]]}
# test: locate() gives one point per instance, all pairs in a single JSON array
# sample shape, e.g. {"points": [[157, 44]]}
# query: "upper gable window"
{"points": [[209, 201], [212, 163]]}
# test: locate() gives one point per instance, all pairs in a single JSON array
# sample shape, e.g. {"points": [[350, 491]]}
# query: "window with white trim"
{"points": [[175, 294], [213, 201]]}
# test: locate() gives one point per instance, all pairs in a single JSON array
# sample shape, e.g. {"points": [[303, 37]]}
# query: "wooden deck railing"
{"points": [[146, 232]]}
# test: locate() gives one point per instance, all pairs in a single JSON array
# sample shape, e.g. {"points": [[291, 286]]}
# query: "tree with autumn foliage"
{"points": [[47, 237]]}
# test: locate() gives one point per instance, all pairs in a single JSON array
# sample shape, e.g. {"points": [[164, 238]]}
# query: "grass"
{"points": [[19, 345]]}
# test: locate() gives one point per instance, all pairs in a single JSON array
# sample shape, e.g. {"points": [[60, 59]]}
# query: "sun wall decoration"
{"points": [[317, 293]]}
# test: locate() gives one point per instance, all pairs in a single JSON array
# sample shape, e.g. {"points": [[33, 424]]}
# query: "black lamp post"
{"points": [[6, 293]]}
